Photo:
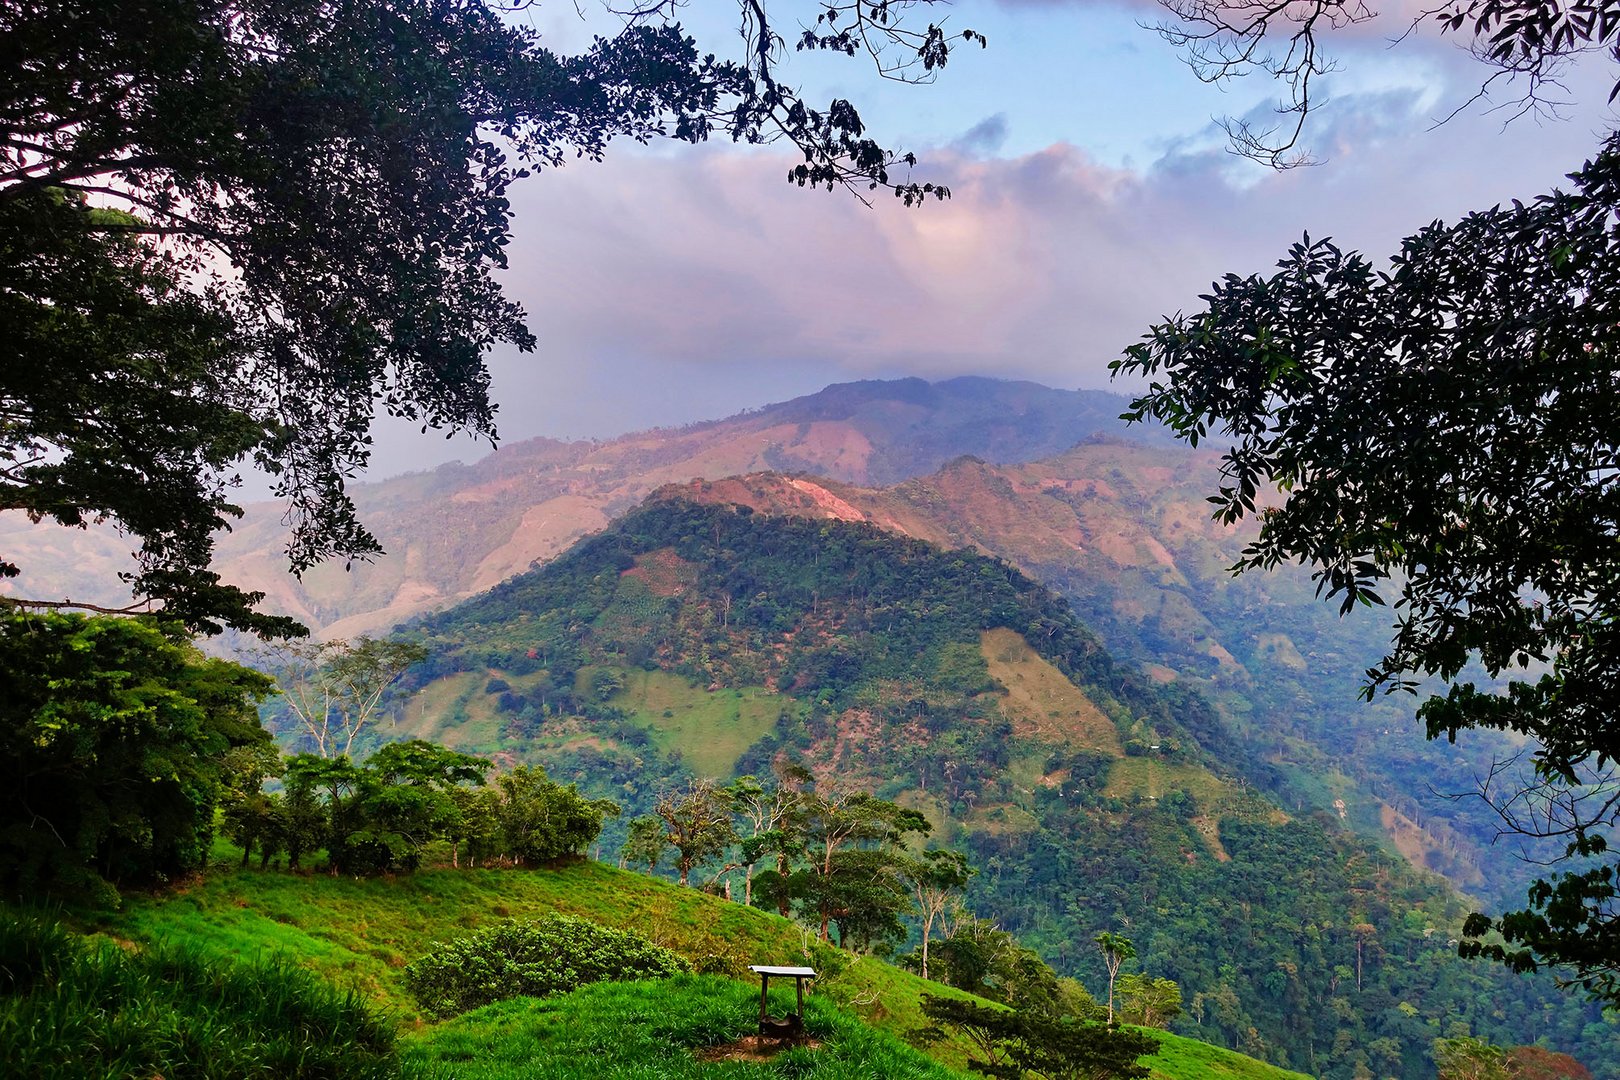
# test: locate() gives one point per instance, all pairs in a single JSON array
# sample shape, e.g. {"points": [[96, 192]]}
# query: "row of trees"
{"points": [[832, 856], [379, 816]]}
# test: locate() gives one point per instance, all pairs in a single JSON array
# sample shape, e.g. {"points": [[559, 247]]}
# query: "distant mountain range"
{"points": [[456, 530]]}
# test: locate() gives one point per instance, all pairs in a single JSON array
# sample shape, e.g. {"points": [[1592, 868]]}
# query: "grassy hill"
{"points": [[359, 934]]}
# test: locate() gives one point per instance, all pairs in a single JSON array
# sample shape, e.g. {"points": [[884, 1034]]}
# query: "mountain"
{"points": [[458, 529], [1122, 531], [710, 640]]}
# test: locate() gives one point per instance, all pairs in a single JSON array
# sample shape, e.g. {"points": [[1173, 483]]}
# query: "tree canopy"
{"points": [[1448, 432], [230, 228], [117, 741]]}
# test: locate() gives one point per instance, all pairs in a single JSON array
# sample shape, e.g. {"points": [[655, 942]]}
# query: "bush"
{"points": [[532, 959]]}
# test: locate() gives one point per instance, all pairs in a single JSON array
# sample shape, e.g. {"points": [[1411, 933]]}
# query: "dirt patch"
{"points": [[751, 1048]]}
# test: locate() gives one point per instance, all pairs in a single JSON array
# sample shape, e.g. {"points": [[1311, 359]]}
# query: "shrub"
{"points": [[534, 958]]}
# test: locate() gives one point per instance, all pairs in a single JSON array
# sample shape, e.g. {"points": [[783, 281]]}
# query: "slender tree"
{"points": [[1117, 950]]}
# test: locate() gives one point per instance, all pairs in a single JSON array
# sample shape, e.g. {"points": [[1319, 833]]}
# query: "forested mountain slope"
{"points": [[1123, 531], [711, 640]]}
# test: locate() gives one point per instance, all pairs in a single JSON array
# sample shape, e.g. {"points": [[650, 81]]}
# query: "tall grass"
{"points": [[75, 1009]]}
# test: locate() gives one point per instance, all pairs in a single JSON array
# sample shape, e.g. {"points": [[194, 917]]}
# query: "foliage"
{"points": [[543, 821], [310, 210], [695, 821], [1468, 1058], [118, 740], [73, 1009], [1448, 428], [552, 955], [1012, 1044], [937, 878], [379, 817], [1116, 950], [1145, 1001]]}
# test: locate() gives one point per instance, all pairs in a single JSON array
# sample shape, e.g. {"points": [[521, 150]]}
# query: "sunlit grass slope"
{"points": [[359, 934]]}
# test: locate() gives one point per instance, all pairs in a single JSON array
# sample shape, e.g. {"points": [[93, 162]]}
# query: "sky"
{"points": [[1093, 194]]}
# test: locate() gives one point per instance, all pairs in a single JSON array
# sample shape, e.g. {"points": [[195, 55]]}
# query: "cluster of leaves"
{"points": [[536, 958], [380, 815], [117, 741], [71, 1009]]}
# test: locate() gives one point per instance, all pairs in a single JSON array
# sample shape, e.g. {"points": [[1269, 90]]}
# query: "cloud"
{"points": [[1040, 266], [986, 137]]}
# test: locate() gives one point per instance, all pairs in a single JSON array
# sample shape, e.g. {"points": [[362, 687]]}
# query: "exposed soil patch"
{"points": [[751, 1048]]}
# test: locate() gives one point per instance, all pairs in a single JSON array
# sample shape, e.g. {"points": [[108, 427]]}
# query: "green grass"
{"points": [[651, 1029], [711, 729], [1189, 1058], [73, 1009], [359, 935]]}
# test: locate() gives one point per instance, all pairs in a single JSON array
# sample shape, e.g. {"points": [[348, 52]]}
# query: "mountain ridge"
{"points": [[460, 528]]}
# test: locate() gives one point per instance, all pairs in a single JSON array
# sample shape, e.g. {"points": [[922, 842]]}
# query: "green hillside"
{"points": [[359, 933], [1089, 796]]}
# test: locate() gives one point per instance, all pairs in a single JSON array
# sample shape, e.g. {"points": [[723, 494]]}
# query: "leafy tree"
{"points": [[769, 816], [117, 741], [1468, 1058], [1447, 431], [937, 878], [298, 212], [1116, 950], [543, 821], [1148, 1002], [855, 888], [335, 688], [645, 842], [1539, 1063], [250, 815], [408, 797], [697, 824]]}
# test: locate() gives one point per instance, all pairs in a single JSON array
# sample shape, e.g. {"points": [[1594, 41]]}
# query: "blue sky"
{"points": [[1092, 194]]}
